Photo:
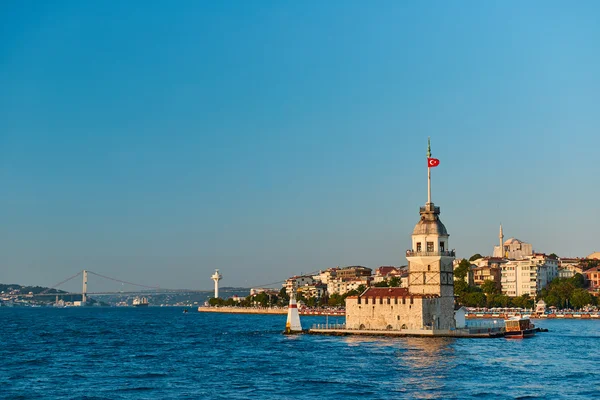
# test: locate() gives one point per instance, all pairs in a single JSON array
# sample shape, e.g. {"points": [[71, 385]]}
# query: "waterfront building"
{"points": [[297, 281], [528, 276], [316, 290], [385, 273], [343, 286], [488, 269], [592, 275], [353, 272], [269, 291], [326, 276], [428, 301], [568, 267]]}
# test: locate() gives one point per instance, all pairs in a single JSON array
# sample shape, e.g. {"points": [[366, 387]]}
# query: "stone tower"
{"points": [[430, 261]]}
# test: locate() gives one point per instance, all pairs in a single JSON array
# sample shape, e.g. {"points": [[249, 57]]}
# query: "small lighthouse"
{"points": [[216, 277], [292, 324]]}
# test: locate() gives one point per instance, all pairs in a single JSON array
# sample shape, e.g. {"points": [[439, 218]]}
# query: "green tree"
{"points": [[311, 301], [490, 287], [361, 288], [552, 300], [553, 256], [475, 257], [523, 301], [460, 287], [475, 299], [578, 281], [261, 299], [463, 269], [336, 300], [580, 298], [395, 281], [216, 301], [383, 283], [283, 296]]}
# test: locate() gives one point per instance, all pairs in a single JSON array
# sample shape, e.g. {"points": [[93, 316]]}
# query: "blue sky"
{"points": [[156, 142]]}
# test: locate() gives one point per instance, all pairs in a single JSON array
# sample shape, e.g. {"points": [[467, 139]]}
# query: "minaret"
{"points": [[430, 269], [216, 277], [501, 236]]}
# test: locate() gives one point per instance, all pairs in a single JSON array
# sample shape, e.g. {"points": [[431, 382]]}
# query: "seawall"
{"points": [[244, 310]]}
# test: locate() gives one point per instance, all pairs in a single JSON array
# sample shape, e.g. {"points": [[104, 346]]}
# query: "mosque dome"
{"points": [[512, 241], [595, 255]]}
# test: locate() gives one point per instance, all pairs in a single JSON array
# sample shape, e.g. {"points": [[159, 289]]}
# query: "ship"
{"points": [[140, 302], [519, 328]]}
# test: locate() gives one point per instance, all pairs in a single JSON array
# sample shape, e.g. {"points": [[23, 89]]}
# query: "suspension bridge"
{"points": [[140, 289]]}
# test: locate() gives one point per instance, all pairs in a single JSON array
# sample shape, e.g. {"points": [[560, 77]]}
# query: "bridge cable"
{"points": [[120, 281], [58, 284]]}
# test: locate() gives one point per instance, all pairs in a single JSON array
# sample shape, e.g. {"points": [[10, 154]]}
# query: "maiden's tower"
{"points": [[427, 304]]}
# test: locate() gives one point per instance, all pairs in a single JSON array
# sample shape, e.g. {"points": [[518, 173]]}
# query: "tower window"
{"points": [[430, 247], [418, 247], [441, 246]]}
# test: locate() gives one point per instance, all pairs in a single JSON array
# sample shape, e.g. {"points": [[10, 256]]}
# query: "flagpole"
{"points": [[428, 185], [428, 171]]}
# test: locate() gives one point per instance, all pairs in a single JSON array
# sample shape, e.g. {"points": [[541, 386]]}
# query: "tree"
{"points": [[216, 301], [336, 300], [284, 296], [580, 298], [460, 287], [475, 299], [553, 256], [463, 269], [475, 257], [361, 288], [523, 301], [490, 287], [395, 281], [383, 283], [578, 281]]}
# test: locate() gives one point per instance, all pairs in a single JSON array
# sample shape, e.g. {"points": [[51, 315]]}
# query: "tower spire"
{"points": [[428, 171]]}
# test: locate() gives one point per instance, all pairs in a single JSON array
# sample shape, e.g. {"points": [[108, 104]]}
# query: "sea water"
{"points": [[163, 353]]}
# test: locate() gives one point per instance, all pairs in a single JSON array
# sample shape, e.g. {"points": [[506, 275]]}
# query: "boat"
{"points": [[518, 328], [140, 302]]}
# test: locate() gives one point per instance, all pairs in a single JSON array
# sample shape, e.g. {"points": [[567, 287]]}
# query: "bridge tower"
{"points": [[84, 291], [216, 277]]}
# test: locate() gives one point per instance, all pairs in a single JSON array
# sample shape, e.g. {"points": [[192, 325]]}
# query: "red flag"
{"points": [[432, 162]]}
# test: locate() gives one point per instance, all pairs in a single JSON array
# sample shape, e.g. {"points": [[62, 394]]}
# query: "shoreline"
{"points": [[276, 311]]}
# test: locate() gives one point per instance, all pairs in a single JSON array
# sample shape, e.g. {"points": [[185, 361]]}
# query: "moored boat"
{"points": [[518, 328]]}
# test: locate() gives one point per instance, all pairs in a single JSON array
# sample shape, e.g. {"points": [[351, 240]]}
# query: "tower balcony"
{"points": [[411, 253], [429, 208]]}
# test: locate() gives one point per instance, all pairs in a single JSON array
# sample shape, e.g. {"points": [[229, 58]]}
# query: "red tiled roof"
{"points": [[385, 292], [384, 270]]}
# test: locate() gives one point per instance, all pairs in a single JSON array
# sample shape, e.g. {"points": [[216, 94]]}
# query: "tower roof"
{"points": [[430, 223]]}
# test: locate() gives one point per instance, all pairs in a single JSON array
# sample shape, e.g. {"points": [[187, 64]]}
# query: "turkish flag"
{"points": [[433, 162]]}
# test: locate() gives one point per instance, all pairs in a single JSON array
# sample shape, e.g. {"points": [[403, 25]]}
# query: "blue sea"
{"points": [[162, 353]]}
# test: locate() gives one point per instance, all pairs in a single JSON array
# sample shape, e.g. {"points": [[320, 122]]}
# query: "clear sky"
{"points": [[156, 141]]}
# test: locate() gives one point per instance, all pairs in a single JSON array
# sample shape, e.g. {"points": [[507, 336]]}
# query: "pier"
{"points": [[476, 332]]}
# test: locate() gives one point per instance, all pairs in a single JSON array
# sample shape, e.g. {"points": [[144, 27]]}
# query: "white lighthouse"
{"points": [[216, 277], [292, 325]]}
